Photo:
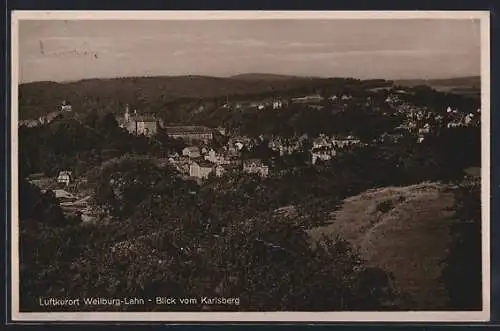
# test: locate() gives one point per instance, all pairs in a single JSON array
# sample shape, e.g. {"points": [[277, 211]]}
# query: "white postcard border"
{"points": [[411, 316]]}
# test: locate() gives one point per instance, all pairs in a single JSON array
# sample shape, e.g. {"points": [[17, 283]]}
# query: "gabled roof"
{"points": [[204, 163], [65, 173]]}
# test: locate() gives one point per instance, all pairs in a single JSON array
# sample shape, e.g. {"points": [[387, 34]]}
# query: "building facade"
{"points": [[201, 169], [147, 125], [192, 152], [190, 133]]}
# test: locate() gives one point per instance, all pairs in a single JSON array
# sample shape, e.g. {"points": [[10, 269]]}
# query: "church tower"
{"points": [[127, 114]]}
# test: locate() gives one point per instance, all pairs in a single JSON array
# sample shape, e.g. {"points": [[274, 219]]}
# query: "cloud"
{"points": [[304, 44], [243, 42], [307, 56]]}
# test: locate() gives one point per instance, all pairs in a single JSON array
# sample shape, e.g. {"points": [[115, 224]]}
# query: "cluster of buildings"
{"points": [[343, 97], [200, 163], [48, 118], [287, 146], [324, 147], [459, 119], [421, 121], [313, 101], [146, 124], [149, 125], [275, 103]]}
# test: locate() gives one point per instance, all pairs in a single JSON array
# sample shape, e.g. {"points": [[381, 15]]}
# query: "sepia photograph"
{"points": [[250, 166]]}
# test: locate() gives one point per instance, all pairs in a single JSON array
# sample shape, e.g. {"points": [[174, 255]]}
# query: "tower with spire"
{"points": [[126, 116]]}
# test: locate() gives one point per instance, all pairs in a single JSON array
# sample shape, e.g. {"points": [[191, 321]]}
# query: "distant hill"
{"points": [[40, 98], [155, 94], [471, 81], [261, 76], [466, 86]]}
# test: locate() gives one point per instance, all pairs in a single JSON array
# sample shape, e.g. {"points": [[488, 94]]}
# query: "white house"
{"points": [[64, 177], [277, 104], [191, 152], [65, 106], [201, 169], [322, 153]]}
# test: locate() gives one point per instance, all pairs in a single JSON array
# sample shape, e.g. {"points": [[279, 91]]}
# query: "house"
{"points": [[192, 152], [181, 165], [145, 125], [255, 166], [322, 141], [239, 145], [344, 142], [65, 106], [50, 117], [65, 177], [190, 133], [277, 104], [425, 129], [63, 195], [258, 105], [214, 157], [322, 153], [468, 119], [201, 169], [219, 170]]}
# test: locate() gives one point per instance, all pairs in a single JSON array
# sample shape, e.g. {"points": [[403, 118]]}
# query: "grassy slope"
{"points": [[410, 240]]}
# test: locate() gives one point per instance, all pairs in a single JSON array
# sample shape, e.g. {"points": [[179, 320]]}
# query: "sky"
{"points": [[57, 50]]}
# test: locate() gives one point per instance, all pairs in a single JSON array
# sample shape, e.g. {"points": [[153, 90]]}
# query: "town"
{"points": [[201, 158]]}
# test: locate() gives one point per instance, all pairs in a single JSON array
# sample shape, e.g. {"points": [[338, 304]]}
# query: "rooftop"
{"points": [[257, 162], [144, 118], [187, 129], [204, 163]]}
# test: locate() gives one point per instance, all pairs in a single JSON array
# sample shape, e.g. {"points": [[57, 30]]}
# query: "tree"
{"points": [[462, 274]]}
